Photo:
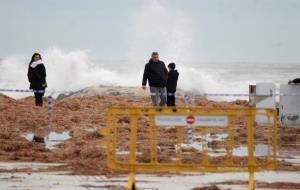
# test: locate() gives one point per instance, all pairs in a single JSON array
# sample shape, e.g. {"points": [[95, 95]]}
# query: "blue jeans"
{"points": [[156, 93]]}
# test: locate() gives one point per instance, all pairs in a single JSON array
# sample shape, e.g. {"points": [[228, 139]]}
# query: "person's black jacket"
{"points": [[156, 74], [296, 81], [37, 77], [172, 81]]}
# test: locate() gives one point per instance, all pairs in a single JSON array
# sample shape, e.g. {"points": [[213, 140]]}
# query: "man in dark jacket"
{"points": [[37, 78], [171, 84], [295, 81], [156, 74]]}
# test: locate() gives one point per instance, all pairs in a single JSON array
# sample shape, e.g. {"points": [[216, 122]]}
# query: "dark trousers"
{"points": [[171, 99], [38, 98]]}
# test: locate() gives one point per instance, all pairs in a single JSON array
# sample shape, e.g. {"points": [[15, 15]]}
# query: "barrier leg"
{"points": [[251, 160], [131, 182], [132, 158], [251, 180]]}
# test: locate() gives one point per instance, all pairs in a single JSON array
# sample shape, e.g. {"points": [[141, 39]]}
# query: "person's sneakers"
{"points": [[38, 139]]}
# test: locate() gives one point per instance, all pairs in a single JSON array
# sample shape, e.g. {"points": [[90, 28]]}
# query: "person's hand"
{"points": [[44, 85], [144, 87]]}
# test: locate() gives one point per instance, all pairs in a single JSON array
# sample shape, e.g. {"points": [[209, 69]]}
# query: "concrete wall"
{"points": [[289, 106]]}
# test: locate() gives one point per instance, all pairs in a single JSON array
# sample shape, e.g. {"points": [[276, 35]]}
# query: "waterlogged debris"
{"points": [[259, 149], [202, 142], [52, 139], [123, 152], [210, 138], [195, 145]]}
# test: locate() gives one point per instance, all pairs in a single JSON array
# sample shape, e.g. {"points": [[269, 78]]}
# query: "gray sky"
{"points": [[199, 30]]}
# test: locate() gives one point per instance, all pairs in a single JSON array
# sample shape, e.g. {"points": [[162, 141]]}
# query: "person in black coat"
{"points": [[172, 84], [37, 78], [295, 81], [156, 74]]}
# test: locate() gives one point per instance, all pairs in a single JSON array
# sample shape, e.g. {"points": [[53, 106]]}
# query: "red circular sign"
{"points": [[190, 120]]}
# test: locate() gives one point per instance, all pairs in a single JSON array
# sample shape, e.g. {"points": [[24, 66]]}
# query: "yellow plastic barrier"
{"points": [[190, 140]]}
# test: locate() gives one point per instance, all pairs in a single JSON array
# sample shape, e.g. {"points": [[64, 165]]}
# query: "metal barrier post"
{"points": [[132, 156], [179, 135], [49, 109], [230, 140], [131, 182], [152, 140], [251, 180], [251, 161], [275, 139]]}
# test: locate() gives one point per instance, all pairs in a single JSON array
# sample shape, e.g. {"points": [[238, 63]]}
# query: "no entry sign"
{"points": [[192, 120]]}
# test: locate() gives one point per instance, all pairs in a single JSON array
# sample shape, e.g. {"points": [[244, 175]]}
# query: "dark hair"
{"points": [[32, 58], [154, 53], [172, 66]]}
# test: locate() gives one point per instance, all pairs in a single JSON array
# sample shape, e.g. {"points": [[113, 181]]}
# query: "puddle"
{"points": [[199, 145], [52, 139], [260, 149], [289, 154], [29, 136], [240, 151]]}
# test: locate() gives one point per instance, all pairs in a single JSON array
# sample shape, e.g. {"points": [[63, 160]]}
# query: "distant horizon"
{"points": [[192, 61]]}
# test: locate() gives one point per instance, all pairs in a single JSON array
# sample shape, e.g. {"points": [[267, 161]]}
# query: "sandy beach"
{"points": [[73, 148]]}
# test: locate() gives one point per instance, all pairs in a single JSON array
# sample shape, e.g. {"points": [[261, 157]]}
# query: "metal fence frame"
{"points": [[132, 166]]}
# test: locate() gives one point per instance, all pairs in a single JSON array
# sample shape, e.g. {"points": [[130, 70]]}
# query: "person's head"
{"points": [[36, 57], [155, 57], [171, 66]]}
